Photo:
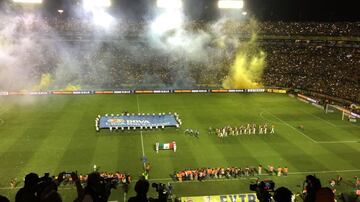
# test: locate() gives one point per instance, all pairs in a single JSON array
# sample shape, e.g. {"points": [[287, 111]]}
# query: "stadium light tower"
{"points": [[169, 16], [169, 4], [100, 16], [96, 4], [231, 4], [28, 1]]}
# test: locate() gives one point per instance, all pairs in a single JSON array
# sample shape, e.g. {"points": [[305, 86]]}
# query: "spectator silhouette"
{"points": [[282, 194], [4, 199], [313, 184], [28, 192], [141, 188], [96, 189], [324, 194]]}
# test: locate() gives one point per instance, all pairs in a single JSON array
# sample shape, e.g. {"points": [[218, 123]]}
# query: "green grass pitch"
{"points": [[56, 133]]}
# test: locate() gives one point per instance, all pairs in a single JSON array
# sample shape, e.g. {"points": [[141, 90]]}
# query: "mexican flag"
{"points": [[166, 146]]}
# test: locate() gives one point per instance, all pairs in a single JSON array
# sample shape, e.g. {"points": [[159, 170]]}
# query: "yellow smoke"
{"points": [[71, 87], [44, 83], [247, 68]]}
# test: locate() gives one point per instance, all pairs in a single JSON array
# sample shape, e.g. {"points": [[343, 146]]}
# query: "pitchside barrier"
{"points": [[91, 92], [250, 197]]}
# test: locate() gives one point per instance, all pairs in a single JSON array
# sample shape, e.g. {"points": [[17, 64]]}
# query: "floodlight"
{"points": [[102, 19], [91, 4], [169, 4], [244, 13], [230, 4], [28, 1], [167, 21], [60, 11]]}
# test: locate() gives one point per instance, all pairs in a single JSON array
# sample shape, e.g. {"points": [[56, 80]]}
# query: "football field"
{"points": [[56, 133]]}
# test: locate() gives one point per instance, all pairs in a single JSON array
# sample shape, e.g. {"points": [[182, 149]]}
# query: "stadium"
{"points": [[176, 100]]}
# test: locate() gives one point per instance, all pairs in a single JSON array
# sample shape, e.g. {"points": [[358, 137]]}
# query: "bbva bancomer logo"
{"points": [[129, 122]]}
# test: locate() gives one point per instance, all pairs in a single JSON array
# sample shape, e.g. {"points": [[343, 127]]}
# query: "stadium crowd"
{"points": [[331, 69], [328, 70], [227, 173], [92, 187], [81, 27]]}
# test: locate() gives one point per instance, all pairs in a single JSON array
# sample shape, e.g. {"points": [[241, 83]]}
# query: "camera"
{"points": [[162, 191], [266, 185], [109, 183], [263, 190]]}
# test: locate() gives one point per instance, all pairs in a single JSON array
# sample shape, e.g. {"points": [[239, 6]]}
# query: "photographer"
{"points": [[311, 186], [263, 190], [97, 189], [162, 190], [40, 189]]}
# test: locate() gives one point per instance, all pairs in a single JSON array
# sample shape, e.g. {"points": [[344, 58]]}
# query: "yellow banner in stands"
{"points": [[250, 197], [270, 90]]}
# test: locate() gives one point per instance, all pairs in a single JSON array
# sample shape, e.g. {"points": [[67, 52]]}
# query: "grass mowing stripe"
{"points": [[338, 142], [303, 134], [319, 118]]}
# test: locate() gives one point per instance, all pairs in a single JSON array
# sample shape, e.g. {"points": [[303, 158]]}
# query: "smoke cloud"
{"points": [[247, 68], [40, 54]]}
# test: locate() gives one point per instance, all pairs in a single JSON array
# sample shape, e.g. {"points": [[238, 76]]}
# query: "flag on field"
{"points": [[165, 146]]}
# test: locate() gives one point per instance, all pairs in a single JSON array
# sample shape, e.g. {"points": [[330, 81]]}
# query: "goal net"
{"points": [[345, 114]]}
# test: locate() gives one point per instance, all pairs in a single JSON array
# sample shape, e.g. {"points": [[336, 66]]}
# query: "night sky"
{"points": [[266, 10]]}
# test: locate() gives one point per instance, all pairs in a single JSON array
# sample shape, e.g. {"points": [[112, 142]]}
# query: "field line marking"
{"points": [[338, 142], [264, 118], [303, 134], [254, 177], [141, 133], [320, 118]]}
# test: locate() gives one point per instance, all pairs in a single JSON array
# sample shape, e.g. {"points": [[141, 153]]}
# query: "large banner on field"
{"points": [[250, 197], [138, 121]]}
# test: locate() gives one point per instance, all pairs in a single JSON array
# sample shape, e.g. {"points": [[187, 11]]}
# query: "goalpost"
{"points": [[345, 114]]}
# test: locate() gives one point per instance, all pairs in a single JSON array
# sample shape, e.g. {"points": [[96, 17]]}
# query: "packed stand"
{"points": [[133, 63]]}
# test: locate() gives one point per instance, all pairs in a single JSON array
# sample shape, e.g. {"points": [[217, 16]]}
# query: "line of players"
{"points": [[242, 130], [190, 131], [117, 177], [227, 173]]}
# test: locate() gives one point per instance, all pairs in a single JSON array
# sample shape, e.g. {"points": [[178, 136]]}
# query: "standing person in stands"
{"points": [[95, 189], [141, 189], [28, 192]]}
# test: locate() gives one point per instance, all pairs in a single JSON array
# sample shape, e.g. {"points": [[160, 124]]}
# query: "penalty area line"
{"points": [[301, 133]]}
